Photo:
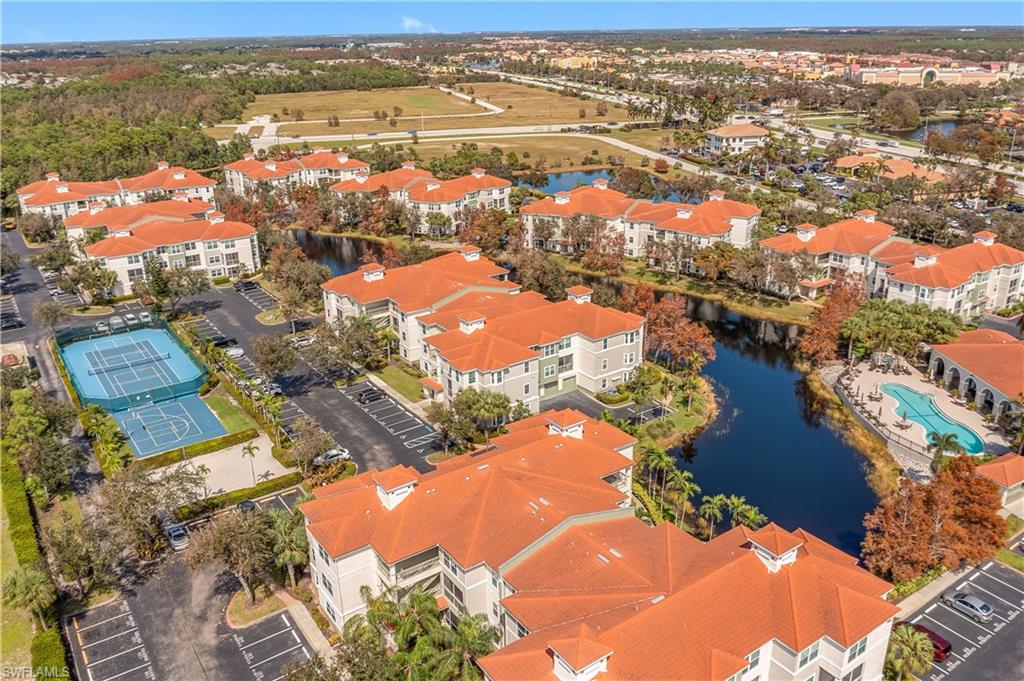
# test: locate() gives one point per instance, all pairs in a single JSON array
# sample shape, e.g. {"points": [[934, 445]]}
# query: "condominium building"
{"points": [[101, 219], [213, 244], [429, 195], [887, 167], [58, 198], [398, 296], [527, 347], [734, 139], [641, 222], [314, 169], [537, 534]]}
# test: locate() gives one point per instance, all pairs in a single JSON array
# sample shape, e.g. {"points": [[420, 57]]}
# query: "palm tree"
{"points": [[909, 654], [940, 444], [249, 450], [381, 612], [388, 339], [291, 548], [682, 484], [711, 510], [657, 460], [460, 647], [735, 505], [29, 587], [418, 618], [750, 516]]}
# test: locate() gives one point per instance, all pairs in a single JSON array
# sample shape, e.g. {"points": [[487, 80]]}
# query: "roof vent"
{"points": [[562, 198], [52, 177], [162, 165], [657, 599], [469, 324], [342, 158], [534, 506], [470, 253], [361, 177], [579, 294], [924, 259], [408, 165], [248, 156], [478, 172], [615, 553], [866, 215], [985, 238], [604, 559], [683, 213], [483, 466], [271, 166], [372, 272], [214, 217], [432, 185], [62, 189], [806, 231], [179, 175], [544, 501], [96, 207], [180, 196], [601, 183], [716, 195]]}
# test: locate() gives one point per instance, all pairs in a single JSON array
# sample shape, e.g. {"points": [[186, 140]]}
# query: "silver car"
{"points": [[177, 536], [972, 606]]}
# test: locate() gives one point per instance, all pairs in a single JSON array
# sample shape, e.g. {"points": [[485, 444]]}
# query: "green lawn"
{"points": [[1011, 558], [408, 386], [15, 625], [230, 414]]}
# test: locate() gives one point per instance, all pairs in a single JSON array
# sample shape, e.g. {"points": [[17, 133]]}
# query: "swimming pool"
{"points": [[921, 409]]}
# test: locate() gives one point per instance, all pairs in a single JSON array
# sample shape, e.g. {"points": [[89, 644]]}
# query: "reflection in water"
{"points": [[770, 443]]}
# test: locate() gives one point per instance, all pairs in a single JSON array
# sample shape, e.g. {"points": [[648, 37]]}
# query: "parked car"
{"points": [[102, 327], [941, 647], [177, 536], [245, 285], [218, 340], [117, 323], [234, 352], [247, 506], [968, 604], [11, 323], [129, 318], [332, 455], [145, 317], [370, 396], [301, 341]]}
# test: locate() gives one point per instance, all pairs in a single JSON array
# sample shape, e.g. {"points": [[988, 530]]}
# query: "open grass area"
{"points": [[219, 133], [654, 139], [241, 615], [408, 386], [15, 625], [559, 151], [270, 317], [235, 420], [1012, 558], [92, 311], [359, 103]]}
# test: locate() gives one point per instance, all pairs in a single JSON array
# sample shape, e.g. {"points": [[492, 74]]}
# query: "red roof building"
{"points": [[319, 167]]}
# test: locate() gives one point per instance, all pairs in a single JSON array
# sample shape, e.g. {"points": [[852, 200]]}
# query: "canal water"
{"points": [[768, 444]]}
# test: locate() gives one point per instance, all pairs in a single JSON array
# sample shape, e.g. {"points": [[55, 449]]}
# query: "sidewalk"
{"points": [[304, 621], [414, 407], [945, 581]]}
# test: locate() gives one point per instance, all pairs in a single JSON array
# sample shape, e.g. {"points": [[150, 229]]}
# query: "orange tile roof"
{"points": [[895, 168], [45, 192], [418, 287], [579, 290], [148, 236], [775, 539], [265, 170], [740, 130], [957, 265], [583, 200], [481, 507], [600, 433], [995, 357], [851, 237], [432, 384], [392, 180], [900, 252], [168, 178], [331, 161], [1006, 471], [116, 218], [664, 604], [454, 190], [582, 649], [394, 477], [489, 304]]}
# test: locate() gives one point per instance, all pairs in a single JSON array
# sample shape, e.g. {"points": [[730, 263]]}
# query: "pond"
{"points": [[918, 134], [769, 444], [569, 180]]}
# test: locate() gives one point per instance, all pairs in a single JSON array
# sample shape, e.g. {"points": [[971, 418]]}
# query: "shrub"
{"points": [[221, 281], [210, 504], [19, 515], [49, 657]]}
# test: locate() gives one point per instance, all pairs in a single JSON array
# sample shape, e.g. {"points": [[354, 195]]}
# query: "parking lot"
{"points": [[66, 299], [269, 646], [260, 298], [409, 429], [981, 651], [9, 311], [106, 644], [286, 500]]}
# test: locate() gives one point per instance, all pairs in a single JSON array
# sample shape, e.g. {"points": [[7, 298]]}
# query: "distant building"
{"points": [[918, 75], [734, 139], [58, 198]]}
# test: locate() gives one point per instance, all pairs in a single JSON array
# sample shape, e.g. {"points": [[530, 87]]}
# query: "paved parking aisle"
{"points": [[9, 308], [260, 298], [269, 646], [411, 431], [981, 651], [107, 645], [286, 500]]}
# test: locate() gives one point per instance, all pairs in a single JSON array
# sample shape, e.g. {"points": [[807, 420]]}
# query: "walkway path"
{"points": [[229, 470]]}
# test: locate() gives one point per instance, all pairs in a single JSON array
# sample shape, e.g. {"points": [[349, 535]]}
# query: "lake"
{"points": [[768, 443], [569, 180], [918, 134]]}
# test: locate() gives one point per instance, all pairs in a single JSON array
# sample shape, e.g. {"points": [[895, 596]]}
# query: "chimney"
{"points": [[579, 294], [683, 213], [179, 175], [62, 189], [180, 196], [342, 158], [924, 259], [408, 165], [562, 198], [601, 183], [865, 215], [985, 238], [471, 323], [470, 253], [52, 177], [270, 165], [162, 165], [248, 156], [478, 172], [372, 272], [215, 216], [96, 207], [716, 195], [806, 231]]}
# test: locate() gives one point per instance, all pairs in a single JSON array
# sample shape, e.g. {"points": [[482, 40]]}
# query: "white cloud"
{"points": [[414, 25]]}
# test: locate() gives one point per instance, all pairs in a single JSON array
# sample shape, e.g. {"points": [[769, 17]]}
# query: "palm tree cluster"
{"points": [[422, 646]]}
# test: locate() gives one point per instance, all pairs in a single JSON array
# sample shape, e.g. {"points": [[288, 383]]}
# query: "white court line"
{"points": [[116, 676], [103, 640], [123, 652], [1001, 581], [283, 652], [278, 633]]}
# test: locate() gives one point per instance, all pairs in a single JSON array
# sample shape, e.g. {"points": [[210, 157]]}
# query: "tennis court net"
{"points": [[127, 365]]}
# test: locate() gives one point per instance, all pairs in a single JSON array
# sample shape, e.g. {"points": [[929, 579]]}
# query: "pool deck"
{"points": [[866, 381]]}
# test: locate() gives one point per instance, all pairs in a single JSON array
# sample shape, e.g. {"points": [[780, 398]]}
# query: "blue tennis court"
{"points": [[148, 381]]}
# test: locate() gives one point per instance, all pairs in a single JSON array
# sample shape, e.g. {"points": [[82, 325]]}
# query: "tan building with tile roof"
{"points": [[985, 366], [316, 168], [1007, 472]]}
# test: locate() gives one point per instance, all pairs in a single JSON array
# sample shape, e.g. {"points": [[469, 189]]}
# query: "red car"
{"points": [[941, 645]]}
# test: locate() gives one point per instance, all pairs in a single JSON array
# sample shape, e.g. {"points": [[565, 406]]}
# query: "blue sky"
{"points": [[41, 21]]}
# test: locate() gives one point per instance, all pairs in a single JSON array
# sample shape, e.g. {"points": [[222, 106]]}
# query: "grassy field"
{"points": [[529, 106], [359, 104], [230, 414], [219, 133], [654, 139], [15, 624], [556, 149], [409, 386]]}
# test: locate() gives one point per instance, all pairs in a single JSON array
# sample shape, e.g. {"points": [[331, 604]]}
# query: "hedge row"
{"points": [[197, 449], [49, 660], [21, 525], [220, 501], [64, 374]]}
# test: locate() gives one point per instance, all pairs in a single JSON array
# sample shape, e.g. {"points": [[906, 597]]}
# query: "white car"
{"points": [[332, 455], [130, 319], [103, 327], [145, 317], [301, 341], [234, 352]]}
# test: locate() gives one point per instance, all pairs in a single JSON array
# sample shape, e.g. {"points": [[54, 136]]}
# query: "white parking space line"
{"points": [[266, 638], [123, 652], [967, 619], [102, 640], [117, 676], [1001, 581], [272, 657], [96, 624], [956, 633], [399, 432]]}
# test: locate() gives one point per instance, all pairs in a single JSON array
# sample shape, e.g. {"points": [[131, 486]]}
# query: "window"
{"points": [[752, 660], [604, 344], [193, 261], [134, 259], [857, 649], [136, 274], [494, 582], [450, 563], [212, 245], [471, 379], [496, 377], [550, 350], [494, 610], [526, 389], [214, 260], [604, 365], [629, 357], [563, 344], [604, 383], [330, 611], [810, 654], [326, 583], [856, 674], [323, 554], [227, 244], [565, 363], [521, 631], [526, 367], [230, 258], [631, 337], [549, 371], [176, 248], [451, 590]]}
